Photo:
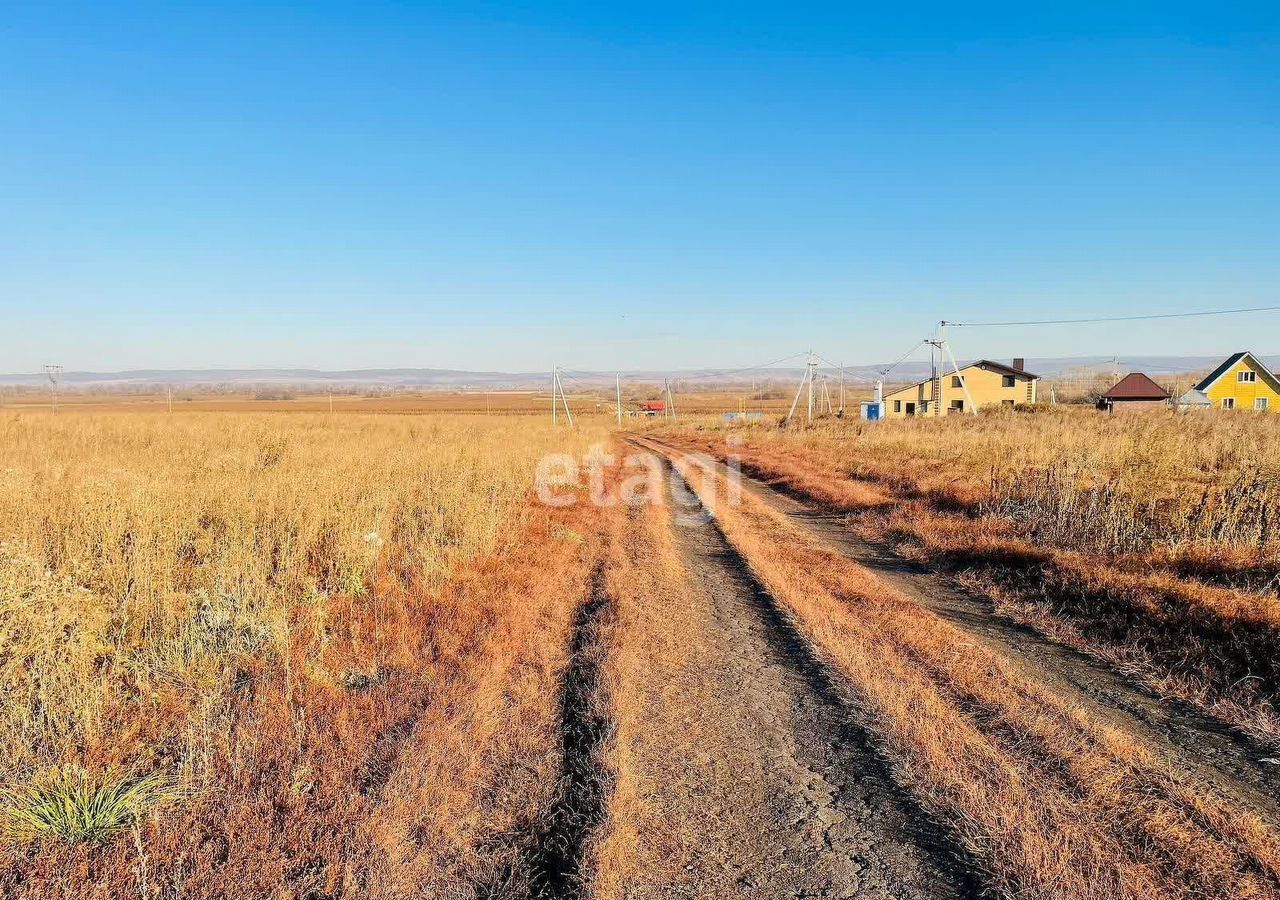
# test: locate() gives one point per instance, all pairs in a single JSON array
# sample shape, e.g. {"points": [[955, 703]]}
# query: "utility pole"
{"points": [[54, 374], [671, 402], [944, 350], [618, 390], [809, 378], [168, 396], [806, 381], [558, 385], [842, 390]]}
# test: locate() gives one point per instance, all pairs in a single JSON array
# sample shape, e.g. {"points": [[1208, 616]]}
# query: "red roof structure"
{"points": [[1136, 386]]}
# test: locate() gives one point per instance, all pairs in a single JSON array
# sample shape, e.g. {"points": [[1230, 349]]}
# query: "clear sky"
{"points": [[651, 185]]}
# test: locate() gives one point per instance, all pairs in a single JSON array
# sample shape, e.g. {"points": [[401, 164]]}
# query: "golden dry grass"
{"points": [[273, 609], [1097, 482]]}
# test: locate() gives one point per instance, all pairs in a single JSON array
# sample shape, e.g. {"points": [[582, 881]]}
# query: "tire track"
{"points": [[554, 849], [556, 862]]}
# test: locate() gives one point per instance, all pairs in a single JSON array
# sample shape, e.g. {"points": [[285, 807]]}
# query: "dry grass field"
{"points": [[771, 400], [283, 399], [317, 655], [240, 617]]}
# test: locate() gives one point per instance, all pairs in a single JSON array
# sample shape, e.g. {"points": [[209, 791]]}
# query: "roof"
{"points": [[980, 364], [1230, 362], [1194, 397], [1000, 367], [1136, 386]]}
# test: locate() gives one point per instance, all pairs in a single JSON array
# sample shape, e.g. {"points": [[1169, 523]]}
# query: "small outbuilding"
{"points": [[1194, 399], [1134, 392]]}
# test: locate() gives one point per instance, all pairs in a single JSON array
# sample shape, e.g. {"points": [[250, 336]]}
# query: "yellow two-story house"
{"points": [[1242, 382], [989, 384]]}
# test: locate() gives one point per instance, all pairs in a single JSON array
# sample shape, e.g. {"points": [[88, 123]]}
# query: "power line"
{"points": [[694, 377], [1143, 318], [897, 362], [584, 388], [763, 365]]}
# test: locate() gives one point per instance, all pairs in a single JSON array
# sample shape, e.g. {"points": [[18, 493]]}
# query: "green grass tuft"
{"points": [[70, 805]]}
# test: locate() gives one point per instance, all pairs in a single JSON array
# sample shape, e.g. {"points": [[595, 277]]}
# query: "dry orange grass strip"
{"points": [[1056, 805]]}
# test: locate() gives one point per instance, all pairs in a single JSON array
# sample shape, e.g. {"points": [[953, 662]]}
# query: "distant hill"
{"points": [[457, 379]]}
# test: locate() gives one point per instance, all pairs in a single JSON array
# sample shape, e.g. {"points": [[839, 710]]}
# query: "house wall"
{"points": [[1244, 393], [986, 387], [895, 403]]}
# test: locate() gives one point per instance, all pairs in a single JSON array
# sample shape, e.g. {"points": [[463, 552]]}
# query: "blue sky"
{"points": [[657, 185]]}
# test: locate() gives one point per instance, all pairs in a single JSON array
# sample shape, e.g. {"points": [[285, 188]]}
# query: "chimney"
{"points": [[1020, 364]]}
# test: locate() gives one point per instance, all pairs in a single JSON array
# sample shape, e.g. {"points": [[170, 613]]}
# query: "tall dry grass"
{"points": [[149, 563], [1076, 477]]}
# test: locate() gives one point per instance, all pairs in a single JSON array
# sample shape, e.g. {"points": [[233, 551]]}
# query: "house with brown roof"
{"points": [[1134, 392]]}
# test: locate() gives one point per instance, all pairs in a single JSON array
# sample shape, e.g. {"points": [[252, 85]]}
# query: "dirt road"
{"points": [[763, 771]]}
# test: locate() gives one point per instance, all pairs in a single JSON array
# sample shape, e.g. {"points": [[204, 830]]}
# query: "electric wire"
{"points": [[901, 359], [722, 373], [1140, 318]]}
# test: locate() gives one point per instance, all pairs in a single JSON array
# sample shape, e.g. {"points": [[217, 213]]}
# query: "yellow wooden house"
{"points": [[1242, 382], [990, 384]]}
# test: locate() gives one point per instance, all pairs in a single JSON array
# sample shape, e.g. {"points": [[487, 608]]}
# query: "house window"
{"points": [[897, 406], [957, 381], [1008, 381], [1228, 402], [957, 405], [1247, 377], [1260, 404], [1009, 403], [911, 409]]}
